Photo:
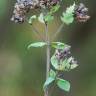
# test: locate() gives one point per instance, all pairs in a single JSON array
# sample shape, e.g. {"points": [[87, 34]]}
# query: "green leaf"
{"points": [[63, 84], [71, 8], [48, 18], [54, 9], [59, 45], [66, 65], [54, 62], [47, 82], [41, 18], [73, 66], [37, 44], [52, 73], [50, 79], [31, 19], [68, 16]]}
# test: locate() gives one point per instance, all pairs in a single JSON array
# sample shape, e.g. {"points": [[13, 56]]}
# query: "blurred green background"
{"points": [[22, 71]]}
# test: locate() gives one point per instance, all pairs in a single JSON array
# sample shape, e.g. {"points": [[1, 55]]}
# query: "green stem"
{"points": [[47, 56], [52, 88]]}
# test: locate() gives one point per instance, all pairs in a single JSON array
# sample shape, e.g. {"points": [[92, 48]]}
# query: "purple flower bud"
{"points": [[62, 53]]}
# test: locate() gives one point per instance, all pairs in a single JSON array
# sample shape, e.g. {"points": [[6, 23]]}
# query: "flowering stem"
{"points": [[47, 56]]}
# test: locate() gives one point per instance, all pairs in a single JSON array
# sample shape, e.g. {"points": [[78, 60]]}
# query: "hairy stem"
{"points": [[47, 57]]}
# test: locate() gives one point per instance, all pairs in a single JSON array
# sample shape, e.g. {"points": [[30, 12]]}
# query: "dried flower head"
{"points": [[20, 9], [80, 13], [48, 3], [24, 6]]}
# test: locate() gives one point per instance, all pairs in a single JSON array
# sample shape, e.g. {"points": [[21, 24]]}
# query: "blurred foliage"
{"points": [[22, 71], [3, 6]]}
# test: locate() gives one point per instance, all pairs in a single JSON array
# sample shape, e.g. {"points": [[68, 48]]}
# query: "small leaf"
{"points": [[70, 59], [48, 18], [71, 8], [54, 9], [47, 82], [59, 45], [66, 65], [50, 79], [54, 62], [52, 73], [63, 84], [31, 19], [73, 66], [41, 18], [68, 16], [37, 44]]}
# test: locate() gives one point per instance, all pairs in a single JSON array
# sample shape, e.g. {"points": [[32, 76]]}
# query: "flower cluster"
{"points": [[48, 3], [21, 8], [62, 54], [80, 13], [24, 6]]}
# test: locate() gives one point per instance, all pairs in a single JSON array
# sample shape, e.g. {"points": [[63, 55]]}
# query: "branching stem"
{"points": [[48, 52], [58, 31], [37, 32]]}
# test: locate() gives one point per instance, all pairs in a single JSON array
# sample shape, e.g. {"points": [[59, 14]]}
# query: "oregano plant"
{"points": [[62, 60]]}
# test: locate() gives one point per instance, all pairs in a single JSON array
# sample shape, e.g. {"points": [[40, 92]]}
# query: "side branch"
{"points": [[37, 32], [58, 31]]}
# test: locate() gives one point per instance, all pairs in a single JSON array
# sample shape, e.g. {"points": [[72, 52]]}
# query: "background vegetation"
{"points": [[22, 71]]}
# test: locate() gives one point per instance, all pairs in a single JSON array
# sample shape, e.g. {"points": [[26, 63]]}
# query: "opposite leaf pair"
{"points": [[53, 78], [61, 61]]}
